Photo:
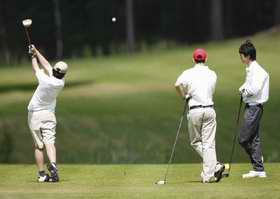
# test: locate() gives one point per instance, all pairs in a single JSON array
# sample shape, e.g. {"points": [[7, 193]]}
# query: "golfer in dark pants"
{"points": [[255, 93]]}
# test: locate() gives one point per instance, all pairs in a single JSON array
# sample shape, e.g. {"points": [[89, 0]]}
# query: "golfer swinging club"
{"points": [[41, 112], [255, 93], [198, 83]]}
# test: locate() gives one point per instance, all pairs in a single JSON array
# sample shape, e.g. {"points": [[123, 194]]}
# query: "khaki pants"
{"points": [[42, 126], [202, 130]]}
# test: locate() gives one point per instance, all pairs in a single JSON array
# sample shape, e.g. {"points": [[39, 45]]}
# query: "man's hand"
{"points": [[182, 91], [244, 93], [32, 50], [187, 97]]}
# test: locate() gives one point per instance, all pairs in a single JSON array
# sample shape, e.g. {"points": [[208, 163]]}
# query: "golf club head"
{"points": [[27, 22], [160, 182], [227, 170], [226, 174]]}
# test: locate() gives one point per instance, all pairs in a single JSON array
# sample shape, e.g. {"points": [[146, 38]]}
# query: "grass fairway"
{"points": [[135, 181], [123, 109]]}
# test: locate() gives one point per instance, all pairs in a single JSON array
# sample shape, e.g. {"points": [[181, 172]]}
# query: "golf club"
{"points": [[161, 182], [27, 23], [226, 174]]}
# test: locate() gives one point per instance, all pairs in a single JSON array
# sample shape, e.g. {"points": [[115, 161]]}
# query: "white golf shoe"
{"points": [[254, 174], [43, 178], [210, 180]]}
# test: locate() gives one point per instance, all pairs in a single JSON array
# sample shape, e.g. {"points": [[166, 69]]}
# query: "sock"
{"points": [[41, 173], [53, 164]]}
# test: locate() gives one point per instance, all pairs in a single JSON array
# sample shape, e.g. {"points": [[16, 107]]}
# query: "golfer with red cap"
{"points": [[198, 84]]}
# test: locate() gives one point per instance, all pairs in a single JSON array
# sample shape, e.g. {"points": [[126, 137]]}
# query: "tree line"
{"points": [[85, 28]]}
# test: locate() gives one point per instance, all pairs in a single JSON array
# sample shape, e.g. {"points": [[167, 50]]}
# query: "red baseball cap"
{"points": [[199, 54]]}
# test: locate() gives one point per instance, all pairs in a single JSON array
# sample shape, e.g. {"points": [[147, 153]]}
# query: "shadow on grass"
{"points": [[186, 182], [32, 86]]}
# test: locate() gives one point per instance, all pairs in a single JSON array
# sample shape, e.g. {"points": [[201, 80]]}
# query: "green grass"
{"points": [[123, 109], [135, 181]]}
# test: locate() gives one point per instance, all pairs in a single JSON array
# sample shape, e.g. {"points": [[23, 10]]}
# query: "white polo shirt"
{"points": [[200, 83], [44, 97], [256, 85]]}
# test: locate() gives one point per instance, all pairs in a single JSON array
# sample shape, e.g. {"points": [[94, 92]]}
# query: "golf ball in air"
{"points": [[114, 19]]}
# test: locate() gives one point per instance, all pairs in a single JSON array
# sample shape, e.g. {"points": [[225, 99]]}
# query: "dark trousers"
{"points": [[249, 137]]}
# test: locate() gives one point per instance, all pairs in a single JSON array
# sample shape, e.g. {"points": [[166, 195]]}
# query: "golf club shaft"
{"points": [[235, 135], [28, 36], [176, 138]]}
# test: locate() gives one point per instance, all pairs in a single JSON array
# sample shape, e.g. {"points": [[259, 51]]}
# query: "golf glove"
{"points": [[244, 93], [31, 50], [187, 96]]}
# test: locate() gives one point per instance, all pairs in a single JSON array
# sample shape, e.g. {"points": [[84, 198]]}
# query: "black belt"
{"points": [[201, 106], [258, 105]]}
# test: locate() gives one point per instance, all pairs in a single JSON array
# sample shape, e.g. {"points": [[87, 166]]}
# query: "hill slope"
{"points": [[123, 109]]}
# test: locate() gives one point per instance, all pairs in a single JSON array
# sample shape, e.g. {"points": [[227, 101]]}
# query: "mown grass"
{"points": [[135, 181], [123, 109]]}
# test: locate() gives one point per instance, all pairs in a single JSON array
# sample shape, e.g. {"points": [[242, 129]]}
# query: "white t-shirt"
{"points": [[44, 97], [200, 83]]}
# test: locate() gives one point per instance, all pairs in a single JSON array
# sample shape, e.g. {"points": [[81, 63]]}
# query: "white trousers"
{"points": [[42, 125], [202, 131]]}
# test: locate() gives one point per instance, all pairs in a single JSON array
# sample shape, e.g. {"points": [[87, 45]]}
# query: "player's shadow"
{"points": [[28, 87], [186, 182]]}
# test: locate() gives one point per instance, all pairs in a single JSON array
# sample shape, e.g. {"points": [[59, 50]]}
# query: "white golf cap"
{"points": [[61, 67]]}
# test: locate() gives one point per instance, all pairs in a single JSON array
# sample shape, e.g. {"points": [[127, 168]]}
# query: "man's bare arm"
{"points": [[35, 65], [181, 91], [43, 61]]}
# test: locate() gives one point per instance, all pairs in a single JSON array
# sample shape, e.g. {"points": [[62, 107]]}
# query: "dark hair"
{"points": [[57, 74], [248, 49], [199, 59]]}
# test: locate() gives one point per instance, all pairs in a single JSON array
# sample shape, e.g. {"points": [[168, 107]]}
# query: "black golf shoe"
{"points": [[53, 171], [219, 174]]}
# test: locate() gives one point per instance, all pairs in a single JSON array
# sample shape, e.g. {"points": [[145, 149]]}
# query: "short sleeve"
{"points": [[182, 79], [215, 77]]}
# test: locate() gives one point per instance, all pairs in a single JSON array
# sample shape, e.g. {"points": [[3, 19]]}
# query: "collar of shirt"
{"points": [[250, 66], [200, 65]]}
